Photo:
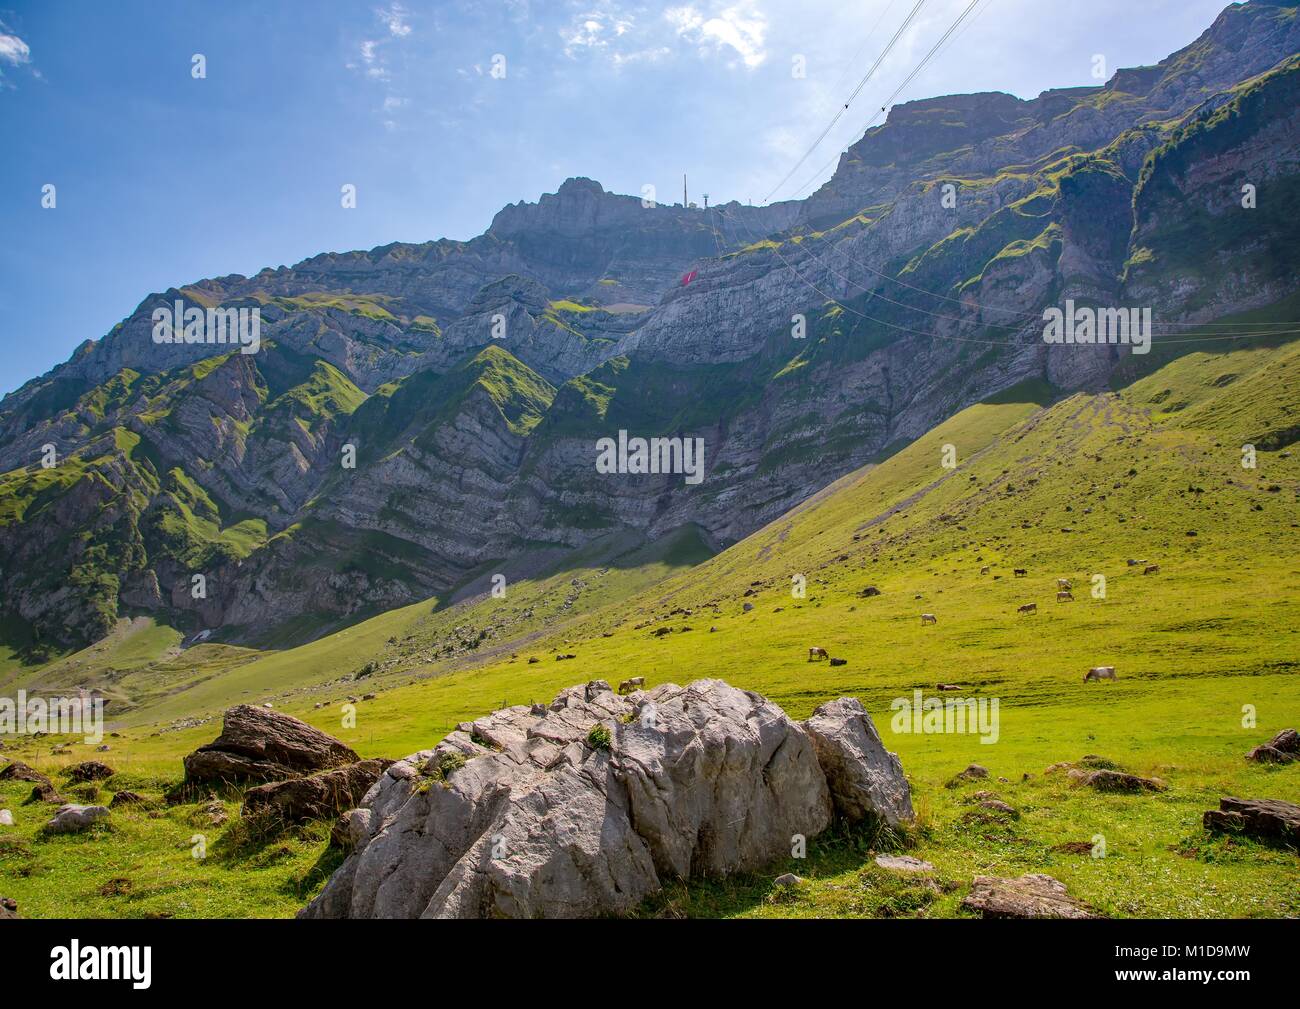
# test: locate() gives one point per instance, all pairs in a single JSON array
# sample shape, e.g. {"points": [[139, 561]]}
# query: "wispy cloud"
{"points": [[595, 30], [14, 52], [396, 19], [372, 58], [741, 28]]}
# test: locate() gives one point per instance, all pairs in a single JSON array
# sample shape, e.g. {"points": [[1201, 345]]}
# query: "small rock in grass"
{"points": [[972, 773], [72, 819], [903, 863], [1118, 781], [90, 770], [1269, 820], [1001, 808], [1030, 896], [788, 881], [1281, 749]]}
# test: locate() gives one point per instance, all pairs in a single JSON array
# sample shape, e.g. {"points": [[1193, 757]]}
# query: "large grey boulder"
{"points": [[581, 809], [865, 779]]}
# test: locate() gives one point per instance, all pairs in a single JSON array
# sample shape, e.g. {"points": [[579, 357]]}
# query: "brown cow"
{"points": [[928, 618], [1099, 673], [1019, 572], [818, 653], [1151, 569], [1028, 608], [635, 683], [1064, 597]]}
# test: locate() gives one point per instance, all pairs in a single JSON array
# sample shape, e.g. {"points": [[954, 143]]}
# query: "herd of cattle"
{"points": [[1064, 594]]}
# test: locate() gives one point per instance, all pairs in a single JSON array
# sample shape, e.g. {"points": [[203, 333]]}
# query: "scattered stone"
{"points": [[864, 778], [118, 886], [8, 908], [45, 792], [1001, 808], [1074, 848], [1118, 781], [72, 819], [869, 592], [213, 813], [6, 818], [748, 607], [102, 748], [1270, 820], [18, 771], [318, 797], [1284, 748], [125, 798], [787, 881], [973, 772], [1030, 896], [90, 771], [903, 863], [839, 662], [257, 744]]}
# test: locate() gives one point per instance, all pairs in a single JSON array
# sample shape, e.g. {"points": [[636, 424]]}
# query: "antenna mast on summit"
{"points": [[685, 202]]}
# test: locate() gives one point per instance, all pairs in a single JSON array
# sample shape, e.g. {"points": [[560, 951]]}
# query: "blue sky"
{"points": [[163, 179]]}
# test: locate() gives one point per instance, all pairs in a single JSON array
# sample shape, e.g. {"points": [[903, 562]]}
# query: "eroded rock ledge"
{"points": [[584, 807]]}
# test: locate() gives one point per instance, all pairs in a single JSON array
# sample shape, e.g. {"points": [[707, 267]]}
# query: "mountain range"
{"points": [[421, 417]]}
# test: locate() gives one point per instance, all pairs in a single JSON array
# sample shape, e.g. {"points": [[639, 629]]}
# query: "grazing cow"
{"points": [[818, 653], [928, 618], [1028, 608], [839, 662], [1151, 569], [1064, 584], [1098, 673], [635, 683], [984, 570], [947, 686], [1019, 572], [1064, 597]]}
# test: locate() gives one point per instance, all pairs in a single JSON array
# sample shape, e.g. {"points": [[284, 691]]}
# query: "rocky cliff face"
{"points": [[417, 415]]}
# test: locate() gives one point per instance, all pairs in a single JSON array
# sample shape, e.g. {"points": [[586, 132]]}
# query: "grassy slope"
{"points": [[1130, 475]]}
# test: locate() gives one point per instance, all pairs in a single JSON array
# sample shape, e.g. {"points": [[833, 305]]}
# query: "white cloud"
{"points": [[14, 50], [395, 18], [595, 30], [741, 28]]}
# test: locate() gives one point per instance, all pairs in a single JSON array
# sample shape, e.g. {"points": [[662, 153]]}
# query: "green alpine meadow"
{"points": [[923, 545]]}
